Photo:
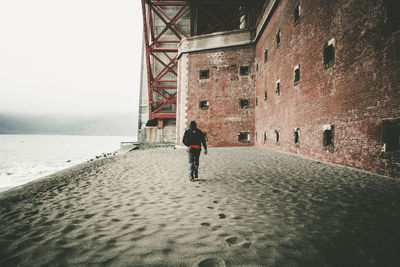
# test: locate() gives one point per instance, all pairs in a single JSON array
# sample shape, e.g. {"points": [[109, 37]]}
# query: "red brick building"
{"points": [[314, 78]]}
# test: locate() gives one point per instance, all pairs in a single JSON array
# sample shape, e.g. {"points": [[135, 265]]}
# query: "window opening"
{"points": [[329, 53], [278, 87], [243, 137], [204, 74], [278, 38], [328, 138], [266, 55], [244, 103], [391, 135], [265, 137], [265, 95], [297, 137], [277, 137], [297, 14], [296, 74], [244, 70], [204, 104], [256, 100]]}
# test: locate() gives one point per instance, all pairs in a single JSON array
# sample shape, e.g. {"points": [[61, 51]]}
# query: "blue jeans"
{"points": [[194, 155]]}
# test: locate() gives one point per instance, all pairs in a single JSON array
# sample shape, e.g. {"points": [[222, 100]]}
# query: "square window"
{"points": [[244, 103], [296, 74], [204, 104], [329, 54], [244, 70], [297, 14], [328, 138], [204, 74], [266, 55], [391, 135], [278, 38], [243, 137]]}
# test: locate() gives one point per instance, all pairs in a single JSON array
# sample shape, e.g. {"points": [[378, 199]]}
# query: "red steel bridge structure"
{"points": [[166, 23]]}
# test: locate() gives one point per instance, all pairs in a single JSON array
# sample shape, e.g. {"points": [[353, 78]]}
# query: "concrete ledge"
{"points": [[267, 12], [214, 41]]}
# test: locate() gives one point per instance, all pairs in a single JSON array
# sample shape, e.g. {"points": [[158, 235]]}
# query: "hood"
{"points": [[192, 125]]}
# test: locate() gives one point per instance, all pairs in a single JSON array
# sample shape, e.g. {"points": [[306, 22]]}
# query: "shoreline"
{"points": [[250, 206], [26, 158]]}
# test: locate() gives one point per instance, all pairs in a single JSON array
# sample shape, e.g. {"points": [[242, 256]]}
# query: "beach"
{"points": [[250, 207]]}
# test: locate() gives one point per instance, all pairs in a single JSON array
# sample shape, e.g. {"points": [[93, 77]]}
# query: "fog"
{"points": [[75, 57]]}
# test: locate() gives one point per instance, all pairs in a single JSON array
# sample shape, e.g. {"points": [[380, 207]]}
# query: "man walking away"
{"points": [[193, 138]]}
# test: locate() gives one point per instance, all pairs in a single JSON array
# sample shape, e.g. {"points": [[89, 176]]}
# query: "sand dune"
{"points": [[250, 207]]}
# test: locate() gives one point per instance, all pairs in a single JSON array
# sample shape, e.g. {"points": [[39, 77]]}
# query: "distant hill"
{"points": [[109, 124]]}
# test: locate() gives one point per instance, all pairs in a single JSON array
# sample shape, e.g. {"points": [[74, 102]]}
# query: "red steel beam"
{"points": [[162, 34], [161, 52]]}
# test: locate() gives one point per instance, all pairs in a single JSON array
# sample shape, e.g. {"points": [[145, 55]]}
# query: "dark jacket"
{"points": [[194, 137]]}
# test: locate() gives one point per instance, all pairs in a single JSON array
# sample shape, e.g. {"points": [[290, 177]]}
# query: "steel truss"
{"points": [[166, 23]]}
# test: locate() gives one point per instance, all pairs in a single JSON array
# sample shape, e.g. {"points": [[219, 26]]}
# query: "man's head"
{"points": [[192, 125]]}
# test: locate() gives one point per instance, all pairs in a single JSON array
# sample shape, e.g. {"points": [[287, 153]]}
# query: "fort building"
{"points": [[314, 78]]}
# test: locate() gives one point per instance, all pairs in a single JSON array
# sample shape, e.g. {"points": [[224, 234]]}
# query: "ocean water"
{"points": [[24, 158]]}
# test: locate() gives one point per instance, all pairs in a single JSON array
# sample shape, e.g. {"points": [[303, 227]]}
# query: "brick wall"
{"points": [[224, 119], [345, 105], [355, 94]]}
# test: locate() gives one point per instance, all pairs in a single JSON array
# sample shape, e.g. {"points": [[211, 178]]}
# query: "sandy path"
{"points": [[250, 207]]}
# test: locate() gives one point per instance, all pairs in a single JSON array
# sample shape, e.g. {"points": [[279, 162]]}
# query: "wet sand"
{"points": [[250, 207]]}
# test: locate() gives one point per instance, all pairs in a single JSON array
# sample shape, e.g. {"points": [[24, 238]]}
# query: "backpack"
{"points": [[189, 137]]}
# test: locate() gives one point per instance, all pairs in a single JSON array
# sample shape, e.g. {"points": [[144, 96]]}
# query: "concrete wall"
{"points": [[355, 94]]}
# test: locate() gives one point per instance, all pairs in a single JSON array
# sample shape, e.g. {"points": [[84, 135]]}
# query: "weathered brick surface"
{"points": [[355, 94], [224, 88], [359, 90]]}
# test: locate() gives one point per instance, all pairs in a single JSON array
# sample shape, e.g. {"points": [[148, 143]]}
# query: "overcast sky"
{"points": [[70, 56]]}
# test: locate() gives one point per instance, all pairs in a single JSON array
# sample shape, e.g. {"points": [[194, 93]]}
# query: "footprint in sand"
{"points": [[246, 245], [88, 216], [141, 229], [209, 207], [215, 201], [222, 216], [215, 228], [212, 262], [126, 226], [80, 236], [205, 224], [68, 229], [231, 240]]}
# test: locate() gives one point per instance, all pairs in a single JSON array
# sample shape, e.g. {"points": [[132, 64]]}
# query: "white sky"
{"points": [[70, 56]]}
